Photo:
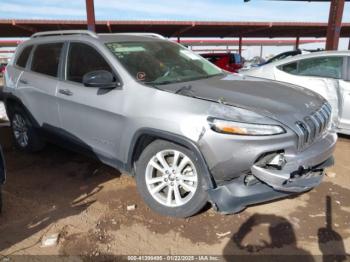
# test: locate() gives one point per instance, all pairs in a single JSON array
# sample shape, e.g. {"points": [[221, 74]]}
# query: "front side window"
{"points": [[161, 62], [330, 67], [83, 59], [23, 57], [46, 59]]}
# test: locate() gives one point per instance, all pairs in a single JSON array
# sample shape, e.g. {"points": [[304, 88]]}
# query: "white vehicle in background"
{"points": [[327, 73]]}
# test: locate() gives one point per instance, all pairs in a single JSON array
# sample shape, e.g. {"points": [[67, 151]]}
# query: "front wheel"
{"points": [[168, 180]]}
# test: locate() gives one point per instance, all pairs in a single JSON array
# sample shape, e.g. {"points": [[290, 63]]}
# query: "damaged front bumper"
{"points": [[299, 180], [299, 173]]}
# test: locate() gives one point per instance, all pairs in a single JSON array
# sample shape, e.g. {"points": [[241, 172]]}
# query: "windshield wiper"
{"points": [[158, 83], [184, 90], [181, 80], [201, 77]]}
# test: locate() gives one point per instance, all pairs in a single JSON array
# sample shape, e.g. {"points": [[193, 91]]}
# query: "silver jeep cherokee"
{"points": [[188, 131]]}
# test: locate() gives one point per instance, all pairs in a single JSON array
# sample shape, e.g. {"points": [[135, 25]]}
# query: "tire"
{"points": [[178, 190], [25, 135]]}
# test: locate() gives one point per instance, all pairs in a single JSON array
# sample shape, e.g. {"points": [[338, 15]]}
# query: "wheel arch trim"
{"points": [[171, 137], [8, 97]]}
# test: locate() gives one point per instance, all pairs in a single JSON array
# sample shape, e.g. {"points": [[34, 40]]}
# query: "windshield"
{"points": [[161, 62]]}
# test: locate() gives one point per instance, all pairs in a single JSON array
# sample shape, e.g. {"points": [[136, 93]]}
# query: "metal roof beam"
{"points": [[334, 24], [183, 30], [90, 14], [24, 27]]}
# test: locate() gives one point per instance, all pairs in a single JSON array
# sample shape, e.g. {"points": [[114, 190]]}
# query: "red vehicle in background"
{"points": [[2, 68], [231, 62]]}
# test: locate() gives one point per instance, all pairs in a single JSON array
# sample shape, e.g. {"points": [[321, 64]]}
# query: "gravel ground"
{"points": [[85, 202]]}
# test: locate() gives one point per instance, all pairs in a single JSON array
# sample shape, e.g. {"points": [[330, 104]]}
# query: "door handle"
{"points": [[66, 92], [24, 82]]}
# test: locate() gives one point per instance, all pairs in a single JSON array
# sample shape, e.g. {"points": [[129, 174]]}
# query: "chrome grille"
{"points": [[313, 126]]}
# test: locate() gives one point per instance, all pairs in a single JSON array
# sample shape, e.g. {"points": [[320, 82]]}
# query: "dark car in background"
{"points": [[231, 62], [2, 175]]}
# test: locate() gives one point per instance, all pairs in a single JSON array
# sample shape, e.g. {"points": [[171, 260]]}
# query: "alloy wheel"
{"points": [[20, 130], [171, 178]]}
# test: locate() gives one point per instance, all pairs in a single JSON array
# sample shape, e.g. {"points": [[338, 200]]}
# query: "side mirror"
{"points": [[101, 79]]}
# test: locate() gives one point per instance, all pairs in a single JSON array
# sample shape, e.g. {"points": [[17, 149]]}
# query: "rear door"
{"points": [[91, 117], [319, 74], [38, 85]]}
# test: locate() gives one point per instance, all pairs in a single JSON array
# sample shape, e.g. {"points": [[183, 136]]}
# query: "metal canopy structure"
{"points": [[211, 42], [24, 28], [246, 42], [334, 21]]}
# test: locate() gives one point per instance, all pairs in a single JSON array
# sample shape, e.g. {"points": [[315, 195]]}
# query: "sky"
{"points": [[201, 10], [223, 10]]}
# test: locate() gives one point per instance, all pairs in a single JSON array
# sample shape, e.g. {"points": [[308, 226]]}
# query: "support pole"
{"points": [[349, 45], [297, 41], [334, 24], [261, 51], [240, 46], [90, 14]]}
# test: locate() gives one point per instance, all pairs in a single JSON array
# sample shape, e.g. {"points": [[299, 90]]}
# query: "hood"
{"points": [[283, 102]]}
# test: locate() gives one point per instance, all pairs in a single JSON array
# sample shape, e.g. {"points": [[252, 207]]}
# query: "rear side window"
{"points": [[23, 57], [291, 68], [46, 59], [83, 59], [330, 67]]}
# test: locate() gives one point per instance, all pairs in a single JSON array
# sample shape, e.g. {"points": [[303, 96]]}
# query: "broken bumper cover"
{"points": [[302, 172], [298, 181]]}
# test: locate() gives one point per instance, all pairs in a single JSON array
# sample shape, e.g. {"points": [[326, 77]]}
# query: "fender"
{"points": [[181, 140]]}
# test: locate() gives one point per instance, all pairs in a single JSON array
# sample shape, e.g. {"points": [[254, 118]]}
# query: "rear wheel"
{"points": [[167, 179], [25, 135]]}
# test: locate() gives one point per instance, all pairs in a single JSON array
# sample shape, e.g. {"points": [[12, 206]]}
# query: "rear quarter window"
{"points": [[23, 56]]}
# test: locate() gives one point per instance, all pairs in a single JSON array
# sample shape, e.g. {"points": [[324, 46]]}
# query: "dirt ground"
{"points": [[85, 202]]}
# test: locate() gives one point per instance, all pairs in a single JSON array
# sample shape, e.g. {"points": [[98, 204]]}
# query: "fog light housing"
{"points": [[278, 161]]}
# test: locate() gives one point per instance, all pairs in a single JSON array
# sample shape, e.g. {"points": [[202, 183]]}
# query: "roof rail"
{"points": [[64, 32], [138, 34]]}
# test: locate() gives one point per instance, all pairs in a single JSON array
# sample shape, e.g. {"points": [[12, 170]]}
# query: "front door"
{"points": [[90, 116]]}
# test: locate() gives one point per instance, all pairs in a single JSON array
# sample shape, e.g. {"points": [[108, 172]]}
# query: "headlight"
{"points": [[240, 128]]}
